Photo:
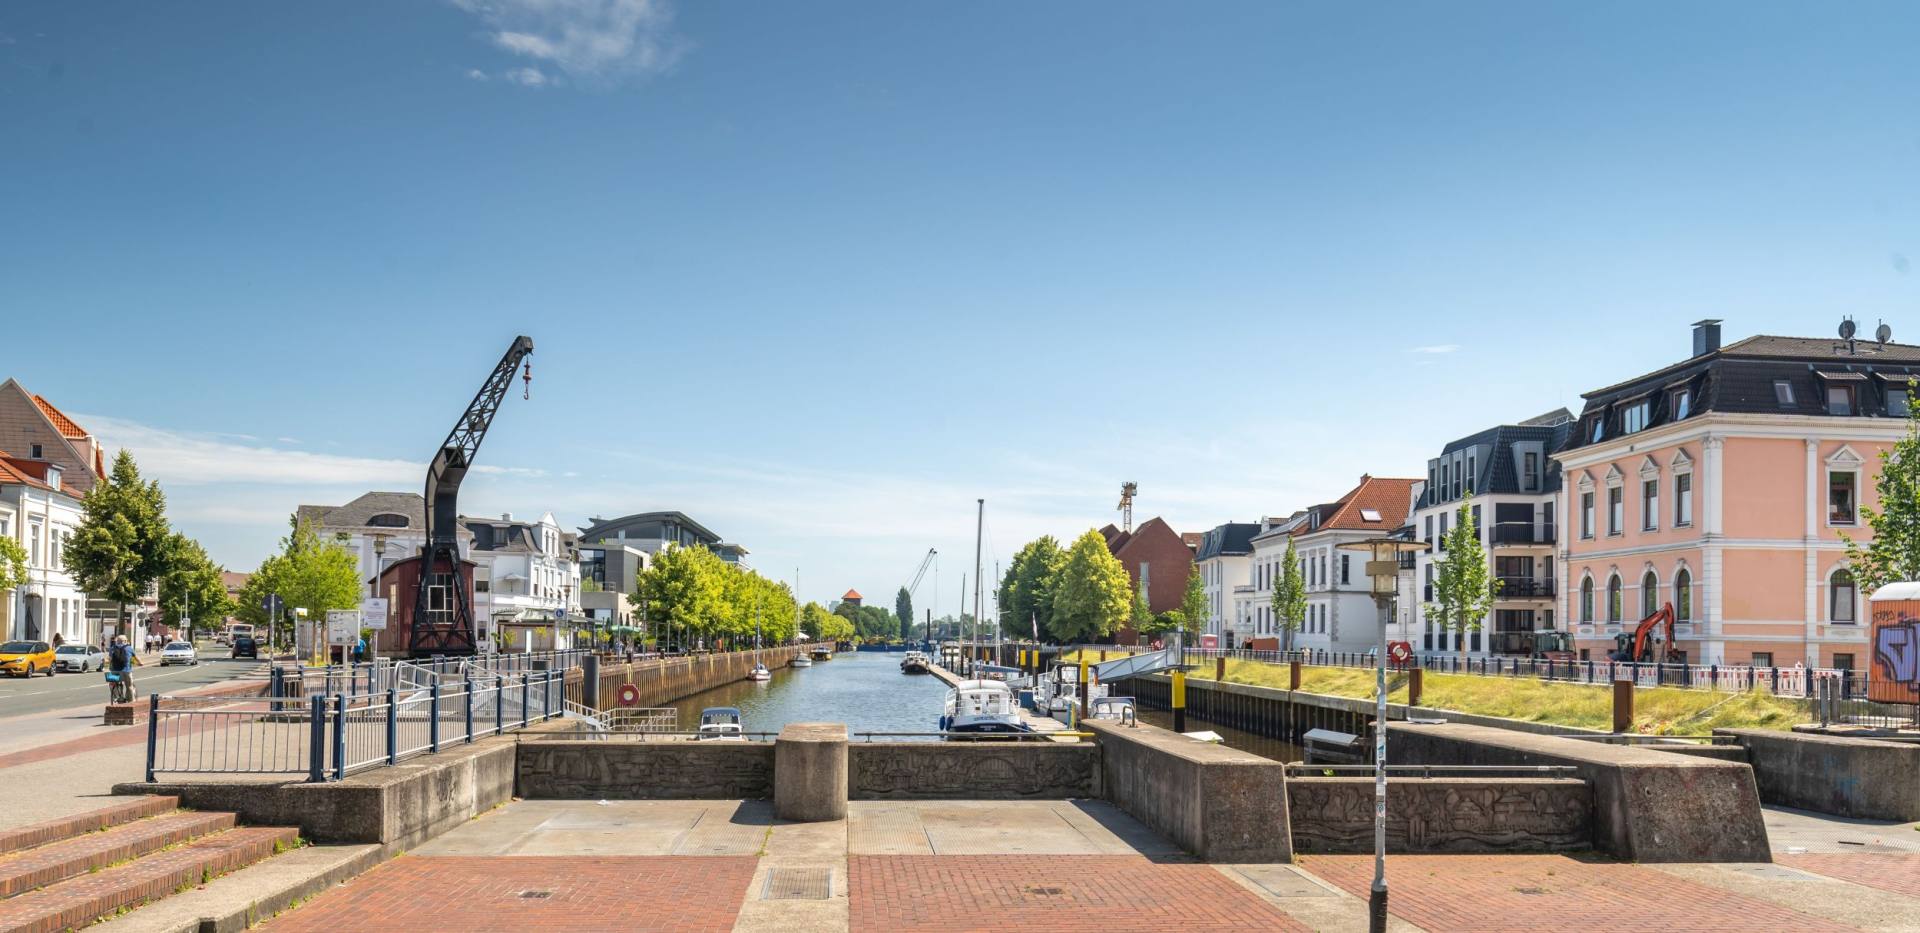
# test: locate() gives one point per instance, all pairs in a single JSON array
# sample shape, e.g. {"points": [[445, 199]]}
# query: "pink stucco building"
{"points": [[1723, 484]]}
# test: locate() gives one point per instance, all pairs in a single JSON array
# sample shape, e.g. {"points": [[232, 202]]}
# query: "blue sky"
{"points": [[822, 274]]}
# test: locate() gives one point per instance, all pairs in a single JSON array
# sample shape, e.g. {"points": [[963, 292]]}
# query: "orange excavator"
{"points": [[1641, 646]]}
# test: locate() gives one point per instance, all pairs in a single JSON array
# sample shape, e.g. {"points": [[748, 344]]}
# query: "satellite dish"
{"points": [[1846, 328], [1883, 333]]}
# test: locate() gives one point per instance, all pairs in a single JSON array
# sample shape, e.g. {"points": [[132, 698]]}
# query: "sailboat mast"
{"points": [[979, 529]]}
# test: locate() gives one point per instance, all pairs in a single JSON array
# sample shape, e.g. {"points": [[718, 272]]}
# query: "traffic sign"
{"points": [[271, 605], [373, 613], [343, 627]]}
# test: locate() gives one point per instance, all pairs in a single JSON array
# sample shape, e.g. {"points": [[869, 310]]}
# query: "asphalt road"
{"points": [[23, 695]]}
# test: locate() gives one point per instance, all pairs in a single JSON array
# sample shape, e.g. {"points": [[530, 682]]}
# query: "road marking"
{"points": [[140, 679]]}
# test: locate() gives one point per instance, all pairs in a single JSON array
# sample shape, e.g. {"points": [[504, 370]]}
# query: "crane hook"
{"points": [[526, 381]]}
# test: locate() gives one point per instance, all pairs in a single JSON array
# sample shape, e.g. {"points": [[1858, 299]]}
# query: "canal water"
{"points": [[863, 689]]}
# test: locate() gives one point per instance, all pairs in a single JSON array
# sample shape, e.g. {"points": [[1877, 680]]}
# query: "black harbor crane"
{"points": [[443, 620]]}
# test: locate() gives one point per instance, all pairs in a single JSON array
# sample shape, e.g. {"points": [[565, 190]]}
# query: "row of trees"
{"points": [[694, 594], [1082, 593], [124, 546], [310, 572]]}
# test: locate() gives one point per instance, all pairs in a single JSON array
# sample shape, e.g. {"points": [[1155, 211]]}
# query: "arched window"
{"points": [[1586, 599], [1613, 598], [388, 520], [1841, 597], [1682, 595], [1649, 595]]}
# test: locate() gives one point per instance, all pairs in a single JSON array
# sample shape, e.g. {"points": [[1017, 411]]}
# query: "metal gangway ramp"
{"points": [[1151, 662]]}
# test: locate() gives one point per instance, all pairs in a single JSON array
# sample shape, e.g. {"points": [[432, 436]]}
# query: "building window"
{"points": [[1649, 594], [1616, 510], [1841, 502], [1843, 662], [1682, 595], [1443, 531], [1682, 404], [1649, 505], [1783, 393], [1586, 600], [1429, 537], [1635, 416], [1762, 659], [1530, 473], [1840, 400], [1683, 499], [1586, 515], [1443, 480], [33, 544], [1346, 568], [1599, 428], [1614, 606], [1841, 596], [36, 452], [1473, 469], [1898, 402]]}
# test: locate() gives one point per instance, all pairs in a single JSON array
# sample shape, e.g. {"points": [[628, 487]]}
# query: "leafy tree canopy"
{"points": [[1093, 594], [120, 547], [1894, 553]]}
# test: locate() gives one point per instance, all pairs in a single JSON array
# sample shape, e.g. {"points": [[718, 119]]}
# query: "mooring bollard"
{"points": [[1414, 686], [1622, 706], [1293, 675], [1220, 669], [1179, 701]]}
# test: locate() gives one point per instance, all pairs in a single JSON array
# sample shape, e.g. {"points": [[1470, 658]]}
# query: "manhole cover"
{"points": [[1280, 881], [1044, 891], [1533, 891], [536, 894], [798, 884], [1771, 872]]}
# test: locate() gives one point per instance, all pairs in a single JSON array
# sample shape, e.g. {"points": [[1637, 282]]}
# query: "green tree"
{"points": [[1290, 594], [821, 625], [1463, 587], [1026, 591], [191, 587], [1193, 602], [903, 611], [309, 573], [120, 547], [1140, 615], [1092, 596], [685, 593], [1894, 553], [13, 566]]}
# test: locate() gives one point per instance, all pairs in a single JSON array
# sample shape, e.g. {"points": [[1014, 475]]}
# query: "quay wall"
{"points": [[663, 681], [1218, 803], [1023, 770], [1860, 778]]}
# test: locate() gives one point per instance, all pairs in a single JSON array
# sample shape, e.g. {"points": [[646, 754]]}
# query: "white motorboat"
{"points": [[984, 707], [800, 660], [1058, 691], [720, 723], [1117, 709], [759, 674], [916, 662]]}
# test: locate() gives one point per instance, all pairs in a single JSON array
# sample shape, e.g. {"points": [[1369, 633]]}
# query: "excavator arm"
{"points": [[446, 625], [1644, 631]]}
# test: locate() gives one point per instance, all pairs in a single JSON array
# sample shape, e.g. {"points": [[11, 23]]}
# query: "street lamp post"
{"points": [[1383, 569]]}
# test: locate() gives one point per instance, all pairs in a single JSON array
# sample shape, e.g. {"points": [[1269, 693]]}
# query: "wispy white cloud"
{"points": [[1436, 349], [596, 42], [476, 74]]}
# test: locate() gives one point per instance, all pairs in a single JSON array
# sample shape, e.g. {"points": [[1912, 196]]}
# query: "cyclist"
{"points": [[121, 661]]}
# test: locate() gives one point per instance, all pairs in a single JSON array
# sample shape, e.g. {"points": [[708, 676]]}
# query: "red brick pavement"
{"points": [[476, 894], [1489, 894], [1889, 871], [1056, 893]]}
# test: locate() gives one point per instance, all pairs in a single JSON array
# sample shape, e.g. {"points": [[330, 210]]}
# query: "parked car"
{"points": [[179, 652], [79, 658], [245, 647], [26, 658]]}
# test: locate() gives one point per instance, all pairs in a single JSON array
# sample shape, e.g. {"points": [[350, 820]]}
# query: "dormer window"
{"points": [[1840, 400], [53, 477], [1898, 401], [388, 520], [1635, 417], [1783, 393], [1599, 428], [1682, 404]]}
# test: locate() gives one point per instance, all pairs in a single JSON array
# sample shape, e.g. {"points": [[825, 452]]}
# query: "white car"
{"points": [[80, 658], [178, 652]]}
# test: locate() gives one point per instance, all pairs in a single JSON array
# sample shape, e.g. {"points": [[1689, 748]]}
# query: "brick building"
{"points": [[1158, 560]]}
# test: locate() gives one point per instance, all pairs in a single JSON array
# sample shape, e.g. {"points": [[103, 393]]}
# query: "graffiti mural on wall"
{"points": [[1896, 657]]}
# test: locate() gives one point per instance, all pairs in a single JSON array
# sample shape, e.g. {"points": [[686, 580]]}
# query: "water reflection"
{"points": [[863, 689]]}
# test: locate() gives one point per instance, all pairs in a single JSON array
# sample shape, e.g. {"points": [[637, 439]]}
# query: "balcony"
{"points": [[1408, 560], [1509, 534], [1521, 588]]}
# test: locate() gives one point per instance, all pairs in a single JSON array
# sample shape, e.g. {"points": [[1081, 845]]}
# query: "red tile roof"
{"points": [[853, 594], [24, 472], [64, 424], [1391, 498]]}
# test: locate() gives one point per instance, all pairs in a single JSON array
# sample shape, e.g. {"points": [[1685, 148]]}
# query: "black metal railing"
{"points": [[1520, 533], [1521, 588]]}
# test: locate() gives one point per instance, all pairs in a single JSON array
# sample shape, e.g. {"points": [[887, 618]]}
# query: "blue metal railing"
{"points": [[329, 736]]}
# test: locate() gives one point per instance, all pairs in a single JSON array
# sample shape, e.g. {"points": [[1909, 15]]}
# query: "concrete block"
{"points": [[1220, 804], [618, 769], [972, 771], [1862, 778], [119, 714], [1649, 806], [1451, 815], [810, 772]]}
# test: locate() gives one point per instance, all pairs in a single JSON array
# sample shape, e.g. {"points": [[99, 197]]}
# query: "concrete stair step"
{"points": [[57, 861], [84, 899], [67, 827]]}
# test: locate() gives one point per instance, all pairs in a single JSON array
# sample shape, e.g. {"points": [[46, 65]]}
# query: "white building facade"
{"points": [[41, 513]]}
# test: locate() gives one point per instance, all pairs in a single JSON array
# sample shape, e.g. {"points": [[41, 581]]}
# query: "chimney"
{"points": [[506, 516], [1706, 336]]}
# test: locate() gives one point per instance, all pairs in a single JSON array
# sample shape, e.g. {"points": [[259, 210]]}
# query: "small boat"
{"points": [[800, 660], [916, 662], [1117, 709], [981, 707], [1058, 691], [720, 723], [759, 674], [822, 653]]}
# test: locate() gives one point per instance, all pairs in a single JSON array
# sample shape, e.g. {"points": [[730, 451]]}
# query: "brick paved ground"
{"points": [[1056, 893], [1888, 872], [1489, 894], [491, 893]]}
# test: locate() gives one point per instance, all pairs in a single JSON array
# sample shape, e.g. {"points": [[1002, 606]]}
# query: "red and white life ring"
{"points": [[1399, 652], [629, 695]]}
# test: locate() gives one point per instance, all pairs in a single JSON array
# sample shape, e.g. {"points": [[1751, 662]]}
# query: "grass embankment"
{"points": [[1657, 710]]}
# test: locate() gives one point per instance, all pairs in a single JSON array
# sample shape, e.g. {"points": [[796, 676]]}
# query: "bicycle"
{"points": [[119, 688]]}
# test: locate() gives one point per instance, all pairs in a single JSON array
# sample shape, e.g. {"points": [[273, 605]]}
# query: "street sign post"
{"points": [[373, 613], [343, 627]]}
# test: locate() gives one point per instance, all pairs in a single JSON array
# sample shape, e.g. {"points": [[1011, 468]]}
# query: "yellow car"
{"points": [[26, 658]]}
